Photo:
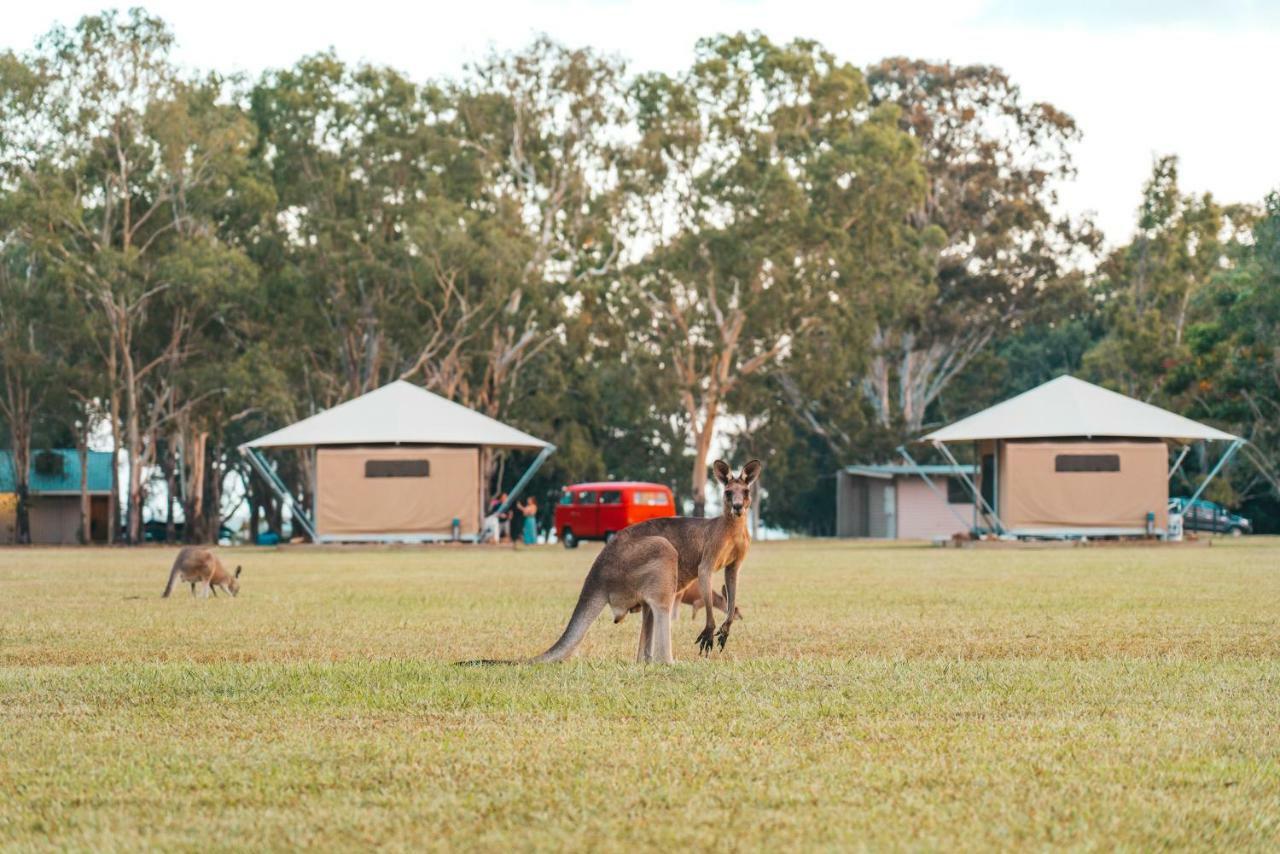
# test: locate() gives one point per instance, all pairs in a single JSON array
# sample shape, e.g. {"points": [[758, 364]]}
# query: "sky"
{"points": [[1142, 78]]}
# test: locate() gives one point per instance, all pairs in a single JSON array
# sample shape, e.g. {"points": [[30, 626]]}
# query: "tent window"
{"points": [[1086, 462], [397, 468], [956, 492]]}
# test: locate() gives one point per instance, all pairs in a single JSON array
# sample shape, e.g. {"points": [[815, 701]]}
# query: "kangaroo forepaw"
{"points": [[706, 641], [723, 634]]}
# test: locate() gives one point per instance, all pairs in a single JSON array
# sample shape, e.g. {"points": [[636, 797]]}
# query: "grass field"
{"points": [[875, 697]]}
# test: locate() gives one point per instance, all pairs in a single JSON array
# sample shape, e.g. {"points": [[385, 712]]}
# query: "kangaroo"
{"points": [[651, 564], [197, 565], [690, 596]]}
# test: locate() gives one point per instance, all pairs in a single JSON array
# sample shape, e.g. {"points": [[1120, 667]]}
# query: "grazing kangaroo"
{"points": [[197, 565], [651, 564]]}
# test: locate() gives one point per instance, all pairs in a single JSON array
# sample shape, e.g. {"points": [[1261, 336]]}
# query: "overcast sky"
{"points": [[1141, 77]]}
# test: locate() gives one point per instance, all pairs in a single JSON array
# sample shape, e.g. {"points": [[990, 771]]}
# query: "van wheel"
{"points": [[1236, 532], [608, 537], [569, 539]]}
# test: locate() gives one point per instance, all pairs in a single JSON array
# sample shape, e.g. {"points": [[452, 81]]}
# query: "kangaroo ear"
{"points": [[751, 471], [722, 470], [237, 572]]}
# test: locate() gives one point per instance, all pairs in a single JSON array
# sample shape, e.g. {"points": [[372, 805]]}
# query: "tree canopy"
{"points": [[774, 249]]}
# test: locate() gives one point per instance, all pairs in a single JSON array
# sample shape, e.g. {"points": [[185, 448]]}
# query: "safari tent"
{"points": [[1071, 459], [397, 464]]}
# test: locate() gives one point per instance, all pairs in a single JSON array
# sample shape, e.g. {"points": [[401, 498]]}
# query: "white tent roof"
{"points": [[1067, 406], [398, 413]]}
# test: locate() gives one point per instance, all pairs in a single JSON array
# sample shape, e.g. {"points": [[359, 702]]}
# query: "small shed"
{"points": [[1069, 459], [902, 502], [397, 464], [54, 506]]}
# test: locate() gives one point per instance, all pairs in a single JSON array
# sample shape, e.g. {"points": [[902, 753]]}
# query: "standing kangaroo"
{"points": [[197, 565], [652, 563]]}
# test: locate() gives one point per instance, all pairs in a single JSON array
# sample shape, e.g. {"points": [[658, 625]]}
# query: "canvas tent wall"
{"points": [[397, 464], [1069, 458], [1099, 486]]}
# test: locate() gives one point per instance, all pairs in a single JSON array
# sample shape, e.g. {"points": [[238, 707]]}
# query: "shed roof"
{"points": [[65, 478], [1070, 407], [899, 470], [399, 413]]}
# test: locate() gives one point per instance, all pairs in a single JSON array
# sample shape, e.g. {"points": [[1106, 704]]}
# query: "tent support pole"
{"points": [[1177, 464], [526, 477], [902, 449], [268, 474], [1231, 452], [977, 495]]}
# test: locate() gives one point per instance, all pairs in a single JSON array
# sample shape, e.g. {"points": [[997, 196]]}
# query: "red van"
{"points": [[597, 511]]}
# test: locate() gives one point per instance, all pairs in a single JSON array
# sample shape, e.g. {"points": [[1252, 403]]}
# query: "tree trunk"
{"points": [[701, 450], [86, 521], [113, 500], [169, 465], [133, 436], [254, 513], [16, 406]]}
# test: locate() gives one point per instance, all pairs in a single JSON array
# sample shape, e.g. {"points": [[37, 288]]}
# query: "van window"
{"points": [[586, 498], [611, 496], [1086, 462], [651, 498], [566, 498]]}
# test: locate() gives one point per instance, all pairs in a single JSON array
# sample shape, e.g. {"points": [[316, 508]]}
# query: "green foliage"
{"points": [[771, 247]]}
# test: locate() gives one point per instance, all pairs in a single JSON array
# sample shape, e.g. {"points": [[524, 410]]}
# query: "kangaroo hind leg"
{"points": [[644, 654], [662, 633]]}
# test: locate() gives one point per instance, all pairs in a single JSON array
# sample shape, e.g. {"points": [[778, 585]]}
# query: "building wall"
{"points": [[925, 515], [865, 506], [55, 519]]}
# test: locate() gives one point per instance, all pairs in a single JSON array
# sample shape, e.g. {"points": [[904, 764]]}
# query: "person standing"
{"points": [[504, 518], [530, 511]]}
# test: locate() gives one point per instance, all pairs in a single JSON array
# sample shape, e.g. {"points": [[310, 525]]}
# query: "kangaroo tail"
{"points": [[168, 588], [590, 604]]}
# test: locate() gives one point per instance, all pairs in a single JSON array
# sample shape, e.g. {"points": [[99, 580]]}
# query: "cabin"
{"points": [[54, 499], [899, 502]]}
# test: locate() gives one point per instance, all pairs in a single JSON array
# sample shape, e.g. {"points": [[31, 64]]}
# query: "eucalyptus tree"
{"points": [[990, 249], [130, 165], [766, 180], [1149, 287]]}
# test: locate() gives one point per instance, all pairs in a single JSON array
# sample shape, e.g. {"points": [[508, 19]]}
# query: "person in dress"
{"points": [[530, 511]]}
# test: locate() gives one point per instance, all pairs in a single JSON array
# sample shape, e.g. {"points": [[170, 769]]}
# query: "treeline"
{"points": [[814, 259]]}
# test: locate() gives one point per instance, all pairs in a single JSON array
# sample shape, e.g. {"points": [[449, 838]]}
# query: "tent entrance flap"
{"points": [[268, 474]]}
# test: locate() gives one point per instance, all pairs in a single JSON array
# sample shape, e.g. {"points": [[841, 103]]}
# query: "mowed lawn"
{"points": [[873, 697]]}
